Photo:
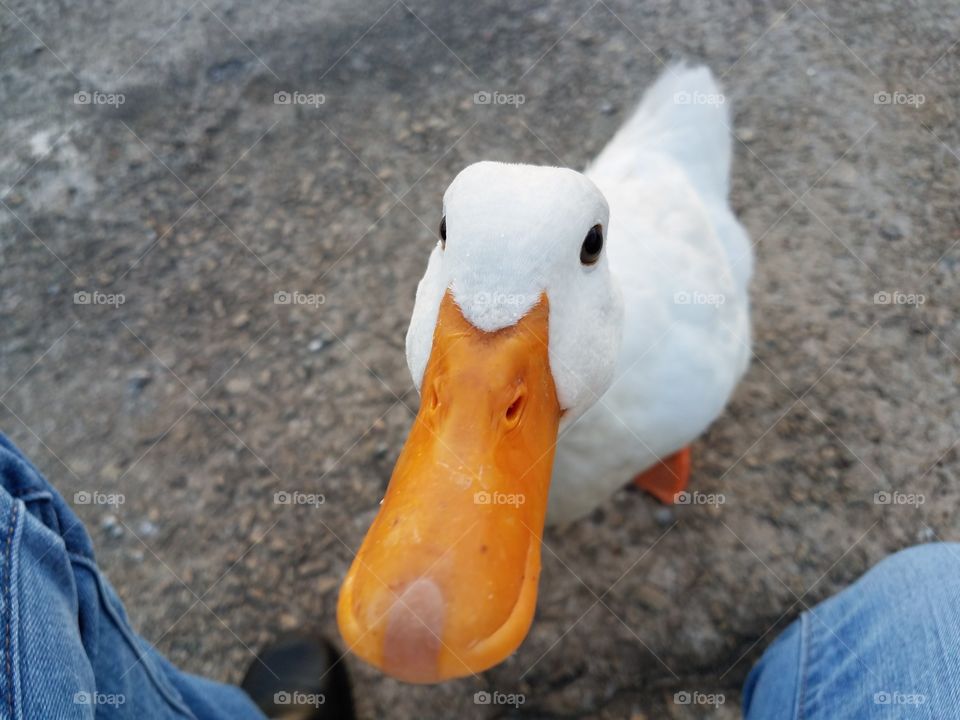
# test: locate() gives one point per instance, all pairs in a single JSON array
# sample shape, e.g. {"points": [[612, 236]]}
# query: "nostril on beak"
{"points": [[411, 642], [513, 411]]}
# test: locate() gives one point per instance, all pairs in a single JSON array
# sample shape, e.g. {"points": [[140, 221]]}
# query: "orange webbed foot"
{"points": [[667, 478]]}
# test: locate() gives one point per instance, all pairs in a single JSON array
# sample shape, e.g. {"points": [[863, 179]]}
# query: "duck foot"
{"points": [[667, 478]]}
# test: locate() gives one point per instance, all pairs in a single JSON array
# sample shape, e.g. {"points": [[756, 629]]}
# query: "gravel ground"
{"points": [[199, 397]]}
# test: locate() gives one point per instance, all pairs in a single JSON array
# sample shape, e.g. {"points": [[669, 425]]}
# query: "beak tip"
{"points": [[411, 641]]}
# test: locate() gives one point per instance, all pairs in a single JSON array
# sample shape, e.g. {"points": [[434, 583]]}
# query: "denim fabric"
{"points": [[887, 647], [66, 647]]}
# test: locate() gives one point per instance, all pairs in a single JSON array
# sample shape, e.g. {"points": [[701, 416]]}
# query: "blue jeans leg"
{"points": [[66, 647], [887, 647]]}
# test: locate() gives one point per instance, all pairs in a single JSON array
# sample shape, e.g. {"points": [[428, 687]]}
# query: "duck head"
{"points": [[515, 332]]}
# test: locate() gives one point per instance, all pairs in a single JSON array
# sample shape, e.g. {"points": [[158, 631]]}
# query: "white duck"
{"points": [[608, 308]]}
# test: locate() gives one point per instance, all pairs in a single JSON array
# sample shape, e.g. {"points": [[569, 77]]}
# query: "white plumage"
{"points": [[647, 346]]}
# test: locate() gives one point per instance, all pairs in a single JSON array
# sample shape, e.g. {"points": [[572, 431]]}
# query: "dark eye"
{"points": [[443, 232], [592, 245]]}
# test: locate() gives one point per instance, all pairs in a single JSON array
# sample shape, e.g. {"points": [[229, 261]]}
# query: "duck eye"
{"points": [[443, 232], [592, 245]]}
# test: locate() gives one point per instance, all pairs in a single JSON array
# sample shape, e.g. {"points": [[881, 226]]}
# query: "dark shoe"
{"points": [[300, 677]]}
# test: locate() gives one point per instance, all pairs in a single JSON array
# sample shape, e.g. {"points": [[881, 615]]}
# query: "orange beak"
{"points": [[445, 582]]}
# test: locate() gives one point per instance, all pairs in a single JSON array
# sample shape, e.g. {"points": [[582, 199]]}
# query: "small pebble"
{"points": [[238, 385], [138, 380], [240, 320], [111, 526], [663, 516]]}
